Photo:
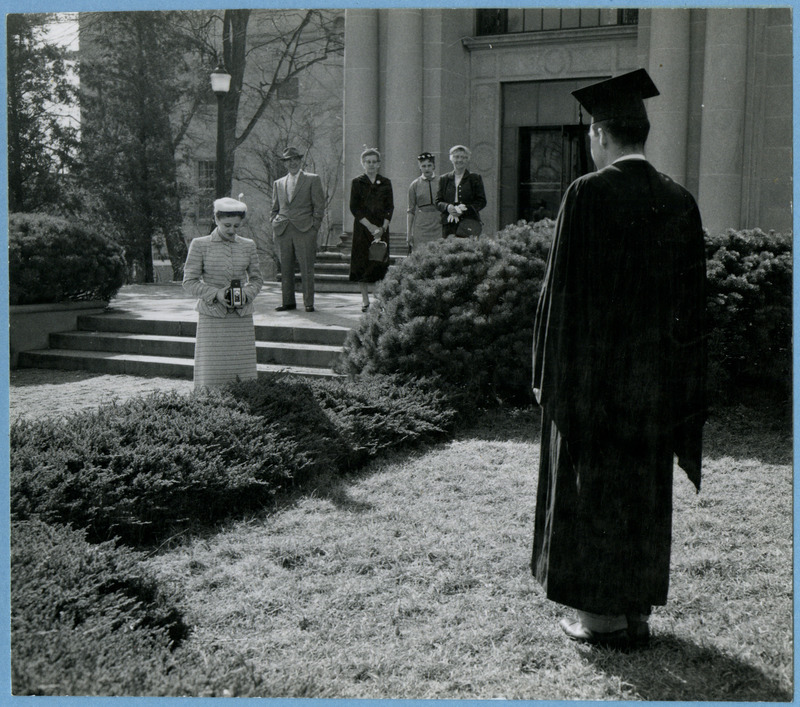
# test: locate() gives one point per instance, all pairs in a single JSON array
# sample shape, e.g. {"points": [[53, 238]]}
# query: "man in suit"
{"points": [[619, 370], [298, 204]]}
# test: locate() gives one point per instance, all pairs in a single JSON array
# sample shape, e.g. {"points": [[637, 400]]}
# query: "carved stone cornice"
{"points": [[545, 37]]}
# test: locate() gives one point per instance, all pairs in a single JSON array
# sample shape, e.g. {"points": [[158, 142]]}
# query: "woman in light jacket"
{"points": [[225, 347], [422, 219]]}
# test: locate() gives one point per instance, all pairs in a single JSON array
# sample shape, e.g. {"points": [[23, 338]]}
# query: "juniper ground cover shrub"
{"points": [[353, 421], [377, 413], [144, 468], [135, 469], [461, 310], [53, 259], [749, 309], [85, 619]]}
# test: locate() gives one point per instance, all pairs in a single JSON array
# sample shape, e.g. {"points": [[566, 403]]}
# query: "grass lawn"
{"points": [[411, 580]]}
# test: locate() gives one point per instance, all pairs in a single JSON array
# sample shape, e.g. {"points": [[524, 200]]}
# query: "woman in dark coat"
{"points": [[372, 204], [460, 194]]}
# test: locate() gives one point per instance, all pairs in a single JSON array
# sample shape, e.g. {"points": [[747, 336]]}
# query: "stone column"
{"points": [[722, 129], [668, 66], [404, 109], [361, 95]]}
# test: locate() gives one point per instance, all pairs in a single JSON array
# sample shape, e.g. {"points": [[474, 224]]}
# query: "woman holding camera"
{"points": [[222, 271]]}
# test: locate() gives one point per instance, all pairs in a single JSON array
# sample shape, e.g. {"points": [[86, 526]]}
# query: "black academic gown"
{"points": [[619, 370]]}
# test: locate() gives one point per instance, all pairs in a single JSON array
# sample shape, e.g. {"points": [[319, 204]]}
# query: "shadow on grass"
{"points": [[337, 491], [672, 668], [759, 432], [508, 424]]}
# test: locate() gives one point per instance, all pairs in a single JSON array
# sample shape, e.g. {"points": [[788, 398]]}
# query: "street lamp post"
{"points": [[220, 84]]}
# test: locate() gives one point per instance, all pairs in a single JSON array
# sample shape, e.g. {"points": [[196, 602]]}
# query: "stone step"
{"points": [[297, 355], [125, 343], [329, 335], [343, 285], [128, 344], [135, 325], [275, 352], [137, 365], [334, 267], [338, 267], [333, 273]]}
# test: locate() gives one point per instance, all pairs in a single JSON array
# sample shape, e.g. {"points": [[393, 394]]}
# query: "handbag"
{"points": [[378, 252], [469, 227]]}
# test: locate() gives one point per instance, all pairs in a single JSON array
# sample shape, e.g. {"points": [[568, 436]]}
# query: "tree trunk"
{"points": [[176, 246], [147, 254], [234, 44]]}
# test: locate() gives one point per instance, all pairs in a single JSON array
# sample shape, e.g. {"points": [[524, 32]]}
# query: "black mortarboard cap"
{"points": [[620, 97]]}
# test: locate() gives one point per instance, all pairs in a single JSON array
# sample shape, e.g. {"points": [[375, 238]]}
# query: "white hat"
{"points": [[227, 205]]}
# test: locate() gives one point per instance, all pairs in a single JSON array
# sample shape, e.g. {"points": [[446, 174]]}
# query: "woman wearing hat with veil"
{"points": [[423, 221], [222, 272]]}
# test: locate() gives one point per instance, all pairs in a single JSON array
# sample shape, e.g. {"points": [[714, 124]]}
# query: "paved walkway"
{"points": [[170, 301], [37, 393]]}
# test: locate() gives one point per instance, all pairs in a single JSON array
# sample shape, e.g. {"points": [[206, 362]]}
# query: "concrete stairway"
{"points": [[122, 344], [332, 268], [332, 272]]}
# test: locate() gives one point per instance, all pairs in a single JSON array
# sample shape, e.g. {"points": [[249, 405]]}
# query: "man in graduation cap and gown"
{"points": [[619, 370]]}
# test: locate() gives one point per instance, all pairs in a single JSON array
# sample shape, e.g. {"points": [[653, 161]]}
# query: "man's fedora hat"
{"points": [[291, 152], [620, 97]]}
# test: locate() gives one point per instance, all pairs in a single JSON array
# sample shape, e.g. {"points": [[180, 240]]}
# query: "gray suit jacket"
{"points": [[306, 208]]}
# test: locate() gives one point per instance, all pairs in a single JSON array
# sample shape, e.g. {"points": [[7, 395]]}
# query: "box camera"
{"points": [[235, 294]]}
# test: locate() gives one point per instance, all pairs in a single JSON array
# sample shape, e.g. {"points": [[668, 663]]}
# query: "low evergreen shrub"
{"points": [[288, 408], [85, 619], [140, 469], [749, 309], [136, 469], [377, 413], [53, 259], [461, 310]]}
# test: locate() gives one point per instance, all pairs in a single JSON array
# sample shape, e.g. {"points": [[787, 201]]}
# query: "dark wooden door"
{"points": [[550, 158]]}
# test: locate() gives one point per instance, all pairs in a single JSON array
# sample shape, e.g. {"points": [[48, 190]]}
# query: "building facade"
{"points": [[500, 81]]}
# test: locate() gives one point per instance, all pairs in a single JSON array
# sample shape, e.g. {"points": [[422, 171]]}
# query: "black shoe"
{"points": [[310, 308], [576, 631], [638, 632], [285, 307], [365, 308]]}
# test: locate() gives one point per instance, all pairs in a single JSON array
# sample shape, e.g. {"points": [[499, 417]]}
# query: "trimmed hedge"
{"points": [[750, 312], [85, 619], [139, 469], [461, 310], [52, 259]]}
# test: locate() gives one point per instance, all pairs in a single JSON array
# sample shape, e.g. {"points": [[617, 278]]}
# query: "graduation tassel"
{"points": [[582, 156]]}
